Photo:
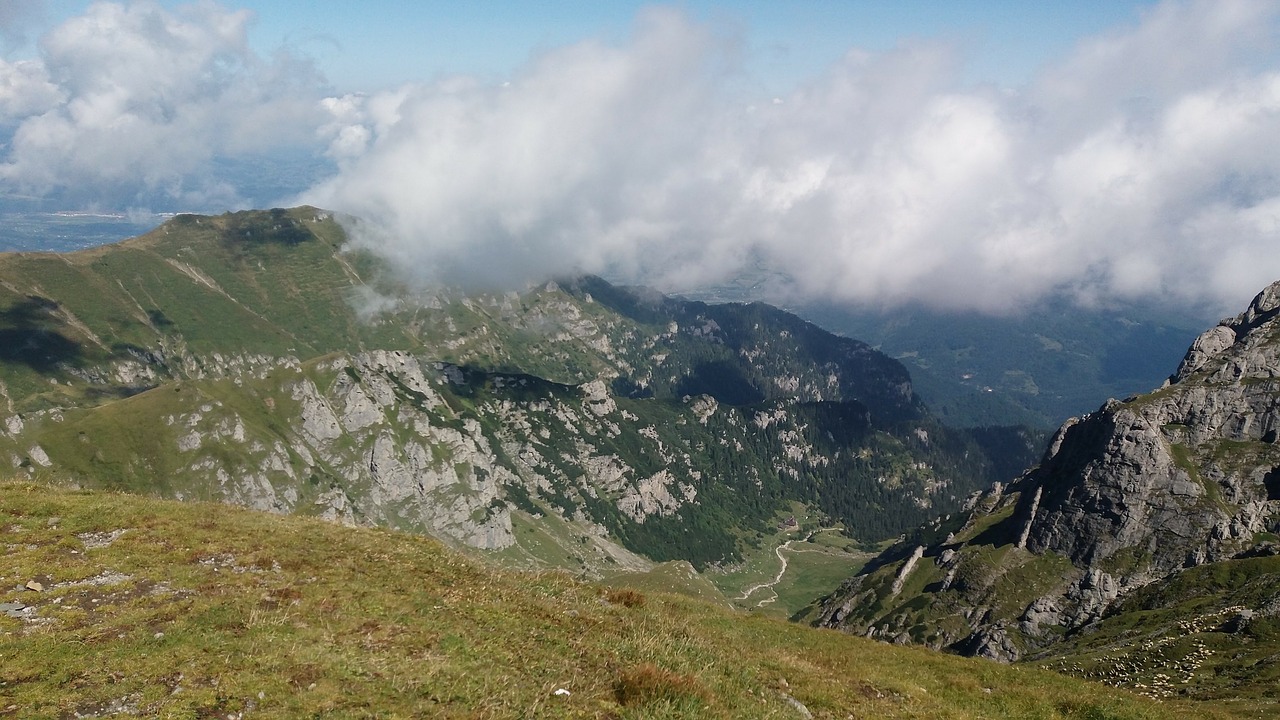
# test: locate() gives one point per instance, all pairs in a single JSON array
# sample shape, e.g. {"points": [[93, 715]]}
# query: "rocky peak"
{"points": [[1226, 334], [1264, 308]]}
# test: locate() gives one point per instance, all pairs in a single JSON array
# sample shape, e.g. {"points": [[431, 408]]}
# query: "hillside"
{"points": [[1141, 549], [119, 605], [253, 358]]}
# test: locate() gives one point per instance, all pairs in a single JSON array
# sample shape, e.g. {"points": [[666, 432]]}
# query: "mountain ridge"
{"points": [[1125, 501], [253, 357]]}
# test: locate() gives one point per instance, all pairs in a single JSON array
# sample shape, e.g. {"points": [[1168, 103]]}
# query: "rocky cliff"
{"points": [[1130, 496]]}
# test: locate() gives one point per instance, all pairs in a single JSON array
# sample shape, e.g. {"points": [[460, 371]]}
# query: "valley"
{"points": [[632, 360], [782, 552]]}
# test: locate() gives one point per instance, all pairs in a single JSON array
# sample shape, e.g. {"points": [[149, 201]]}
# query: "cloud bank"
{"points": [[1143, 165], [133, 103]]}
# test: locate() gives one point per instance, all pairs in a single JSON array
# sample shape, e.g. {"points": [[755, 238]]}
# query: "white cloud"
{"points": [[1144, 164], [1140, 165], [25, 89], [130, 101], [587, 151]]}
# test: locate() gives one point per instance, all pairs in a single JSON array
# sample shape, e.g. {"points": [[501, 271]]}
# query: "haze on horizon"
{"points": [[1137, 162]]}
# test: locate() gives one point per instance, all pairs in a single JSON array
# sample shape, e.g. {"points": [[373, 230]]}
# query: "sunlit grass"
{"points": [[198, 610]]}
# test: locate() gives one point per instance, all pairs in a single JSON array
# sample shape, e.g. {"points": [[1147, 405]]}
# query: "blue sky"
{"points": [[969, 155], [364, 46], [371, 45]]}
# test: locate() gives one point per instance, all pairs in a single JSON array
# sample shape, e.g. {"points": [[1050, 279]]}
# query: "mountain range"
{"points": [[1035, 365], [257, 359], [252, 358], [1047, 362]]}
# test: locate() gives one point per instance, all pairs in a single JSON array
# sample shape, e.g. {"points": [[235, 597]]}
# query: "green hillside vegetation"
{"points": [[1208, 633], [116, 362], [195, 285], [115, 604]]}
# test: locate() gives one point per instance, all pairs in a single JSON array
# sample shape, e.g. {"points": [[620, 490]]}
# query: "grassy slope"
{"points": [[83, 308], [1210, 632], [200, 610]]}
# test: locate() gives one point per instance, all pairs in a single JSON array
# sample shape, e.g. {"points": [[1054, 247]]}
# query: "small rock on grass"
{"points": [[12, 609]]}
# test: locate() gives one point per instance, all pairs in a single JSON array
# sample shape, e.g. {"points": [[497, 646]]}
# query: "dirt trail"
{"points": [[776, 579], [783, 570]]}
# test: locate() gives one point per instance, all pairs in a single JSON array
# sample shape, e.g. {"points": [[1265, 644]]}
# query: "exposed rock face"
{"points": [[1178, 474], [906, 569], [654, 496], [1123, 497], [1209, 345], [441, 479]]}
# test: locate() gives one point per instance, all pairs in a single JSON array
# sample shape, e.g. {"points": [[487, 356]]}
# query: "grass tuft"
{"points": [[648, 684], [625, 597]]}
